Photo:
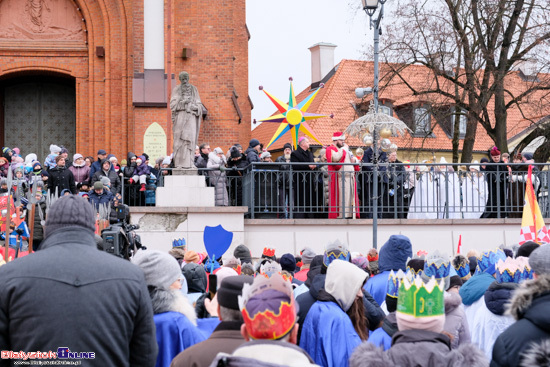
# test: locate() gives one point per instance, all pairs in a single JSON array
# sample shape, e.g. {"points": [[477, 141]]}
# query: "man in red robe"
{"points": [[343, 200]]}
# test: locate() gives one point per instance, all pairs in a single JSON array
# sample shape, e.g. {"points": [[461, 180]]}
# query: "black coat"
{"points": [[304, 183], [529, 306], [497, 178], [112, 176], [61, 178], [88, 300]]}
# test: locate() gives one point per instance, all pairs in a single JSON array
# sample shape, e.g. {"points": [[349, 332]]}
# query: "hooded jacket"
{"points": [[196, 277], [456, 323], [393, 256], [111, 175], [264, 353], [252, 155], [130, 166], [143, 168], [327, 321], [418, 348], [81, 174], [529, 306], [218, 178]]}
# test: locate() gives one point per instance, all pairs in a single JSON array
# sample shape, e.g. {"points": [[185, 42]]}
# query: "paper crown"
{"points": [[392, 290], [462, 266], [269, 268], [336, 250], [269, 252], [437, 266], [273, 321], [486, 261], [513, 270], [421, 300], [179, 242]]}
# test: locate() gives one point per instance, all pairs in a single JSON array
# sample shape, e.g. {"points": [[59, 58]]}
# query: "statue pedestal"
{"points": [[185, 190]]}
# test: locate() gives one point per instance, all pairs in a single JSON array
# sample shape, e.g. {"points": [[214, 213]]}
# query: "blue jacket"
{"points": [[328, 335], [104, 198], [175, 333], [380, 338], [475, 288], [377, 285]]}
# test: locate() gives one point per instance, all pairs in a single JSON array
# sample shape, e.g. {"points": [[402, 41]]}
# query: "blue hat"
{"points": [[336, 250], [179, 242], [486, 261], [101, 151]]}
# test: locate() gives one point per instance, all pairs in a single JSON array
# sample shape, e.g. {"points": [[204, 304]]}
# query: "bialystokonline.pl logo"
{"points": [[62, 353]]}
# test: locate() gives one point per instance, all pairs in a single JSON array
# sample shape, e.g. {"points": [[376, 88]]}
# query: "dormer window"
{"points": [[421, 121]]}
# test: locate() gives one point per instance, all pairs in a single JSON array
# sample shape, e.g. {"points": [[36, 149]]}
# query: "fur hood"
{"points": [[465, 355], [538, 354], [171, 300], [524, 295]]}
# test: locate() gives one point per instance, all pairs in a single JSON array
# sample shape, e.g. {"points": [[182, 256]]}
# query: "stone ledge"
{"points": [[187, 209], [381, 222]]}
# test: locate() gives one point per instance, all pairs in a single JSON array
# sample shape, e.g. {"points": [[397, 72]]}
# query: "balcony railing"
{"points": [[413, 191]]}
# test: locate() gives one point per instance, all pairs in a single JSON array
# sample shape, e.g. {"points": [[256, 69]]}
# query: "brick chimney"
{"points": [[322, 60]]}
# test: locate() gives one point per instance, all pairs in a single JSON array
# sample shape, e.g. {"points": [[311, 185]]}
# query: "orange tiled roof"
{"points": [[338, 97]]}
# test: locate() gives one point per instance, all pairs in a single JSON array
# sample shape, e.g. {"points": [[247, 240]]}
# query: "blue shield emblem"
{"points": [[216, 241]]}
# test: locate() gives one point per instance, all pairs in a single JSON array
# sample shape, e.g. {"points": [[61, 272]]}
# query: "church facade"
{"points": [[96, 74]]}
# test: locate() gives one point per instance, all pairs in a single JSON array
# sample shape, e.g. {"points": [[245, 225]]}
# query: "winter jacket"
{"points": [[475, 288], [418, 348], [143, 168], [456, 323], [111, 175], [264, 353], [175, 324], [328, 335], [96, 166], [130, 168], [49, 162], [529, 306], [109, 302], [382, 336], [61, 178], [103, 199], [196, 277], [377, 285], [252, 155], [81, 174], [225, 339], [218, 179]]}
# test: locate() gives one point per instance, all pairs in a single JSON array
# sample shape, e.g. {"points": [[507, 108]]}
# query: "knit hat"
{"points": [[265, 155], [415, 266], [112, 158], [76, 156], [229, 290], [218, 150], [437, 266], [494, 152], [232, 262], [268, 308], [225, 273], [105, 181], [527, 248], [160, 269], [242, 253], [421, 306], [288, 263], [63, 150], [234, 151], [36, 163], [253, 143], [70, 211], [191, 257], [54, 149], [307, 256], [540, 260], [455, 281], [98, 185], [343, 282], [287, 145]]}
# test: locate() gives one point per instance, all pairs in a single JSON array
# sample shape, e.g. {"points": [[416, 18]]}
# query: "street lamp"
{"points": [[370, 6]]}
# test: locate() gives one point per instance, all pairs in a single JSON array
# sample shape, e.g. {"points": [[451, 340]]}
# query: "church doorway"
{"points": [[38, 110]]}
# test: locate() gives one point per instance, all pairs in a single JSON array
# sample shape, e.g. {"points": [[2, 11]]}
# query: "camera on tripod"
{"points": [[121, 240]]}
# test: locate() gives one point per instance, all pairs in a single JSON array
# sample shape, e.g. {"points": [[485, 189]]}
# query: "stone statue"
{"points": [[186, 109]]}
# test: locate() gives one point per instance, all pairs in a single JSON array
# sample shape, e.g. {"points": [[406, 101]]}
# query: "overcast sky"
{"points": [[281, 33]]}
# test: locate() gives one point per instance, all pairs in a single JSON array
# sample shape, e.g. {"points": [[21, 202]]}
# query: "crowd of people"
{"points": [[336, 308]]}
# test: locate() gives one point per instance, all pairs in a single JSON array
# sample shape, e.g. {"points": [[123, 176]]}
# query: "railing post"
{"points": [[446, 192], [498, 177], [291, 191], [252, 192], [343, 193]]}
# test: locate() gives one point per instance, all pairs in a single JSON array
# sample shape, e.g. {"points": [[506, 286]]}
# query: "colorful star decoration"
{"points": [[293, 116]]}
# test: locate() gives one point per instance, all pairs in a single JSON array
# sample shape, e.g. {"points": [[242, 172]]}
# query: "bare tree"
{"points": [[468, 49]]}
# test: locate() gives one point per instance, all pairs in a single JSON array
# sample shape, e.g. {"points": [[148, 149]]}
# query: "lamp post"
{"points": [[370, 7]]}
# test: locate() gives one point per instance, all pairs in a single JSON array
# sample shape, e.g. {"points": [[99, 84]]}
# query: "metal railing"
{"points": [[328, 190]]}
